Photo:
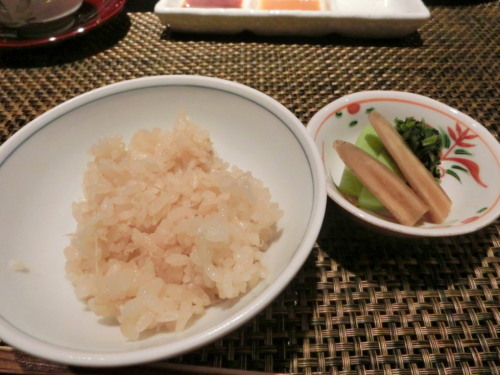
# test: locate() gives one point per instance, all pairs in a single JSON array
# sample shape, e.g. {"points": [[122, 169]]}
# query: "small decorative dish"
{"points": [[357, 18], [470, 159]]}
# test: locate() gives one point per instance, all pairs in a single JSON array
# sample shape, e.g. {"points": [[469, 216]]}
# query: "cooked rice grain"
{"points": [[165, 229]]}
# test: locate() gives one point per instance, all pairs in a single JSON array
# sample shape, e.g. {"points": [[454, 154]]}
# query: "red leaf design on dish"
{"points": [[470, 136], [459, 136], [472, 167], [465, 144], [452, 134]]}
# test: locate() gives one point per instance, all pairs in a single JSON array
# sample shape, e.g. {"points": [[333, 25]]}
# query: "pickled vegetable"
{"points": [[369, 142], [399, 199], [419, 178]]}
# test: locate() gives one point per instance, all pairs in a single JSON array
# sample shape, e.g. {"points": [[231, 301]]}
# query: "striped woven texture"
{"points": [[364, 303]]}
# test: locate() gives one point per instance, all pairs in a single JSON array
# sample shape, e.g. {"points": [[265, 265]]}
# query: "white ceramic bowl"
{"points": [[41, 169], [475, 194], [14, 14]]}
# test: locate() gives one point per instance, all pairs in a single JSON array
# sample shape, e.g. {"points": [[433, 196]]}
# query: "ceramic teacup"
{"points": [[23, 13]]}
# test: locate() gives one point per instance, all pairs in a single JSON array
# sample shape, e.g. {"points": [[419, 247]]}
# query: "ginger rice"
{"points": [[166, 229]]}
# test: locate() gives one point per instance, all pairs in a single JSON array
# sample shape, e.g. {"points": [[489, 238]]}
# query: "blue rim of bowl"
{"points": [[49, 351]]}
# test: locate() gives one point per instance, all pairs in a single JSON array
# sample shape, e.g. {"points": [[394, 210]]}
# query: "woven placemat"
{"points": [[363, 303]]}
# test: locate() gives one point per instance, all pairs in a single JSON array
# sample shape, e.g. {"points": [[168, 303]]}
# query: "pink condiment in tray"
{"points": [[212, 4]]}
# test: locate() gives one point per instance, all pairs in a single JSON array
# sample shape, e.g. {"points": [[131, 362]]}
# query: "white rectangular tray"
{"points": [[357, 18]]}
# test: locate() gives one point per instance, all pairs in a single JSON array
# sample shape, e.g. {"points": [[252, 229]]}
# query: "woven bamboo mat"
{"points": [[363, 303]]}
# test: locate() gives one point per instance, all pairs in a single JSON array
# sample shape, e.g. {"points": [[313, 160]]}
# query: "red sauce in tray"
{"points": [[289, 4], [212, 4]]}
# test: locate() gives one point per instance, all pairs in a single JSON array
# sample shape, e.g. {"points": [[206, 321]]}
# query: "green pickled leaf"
{"points": [[430, 141], [425, 142]]}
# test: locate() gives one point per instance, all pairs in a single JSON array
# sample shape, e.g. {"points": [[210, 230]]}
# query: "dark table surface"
{"points": [[420, 306]]}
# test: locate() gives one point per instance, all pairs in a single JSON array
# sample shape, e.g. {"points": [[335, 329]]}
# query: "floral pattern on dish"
{"points": [[456, 140], [470, 162]]}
